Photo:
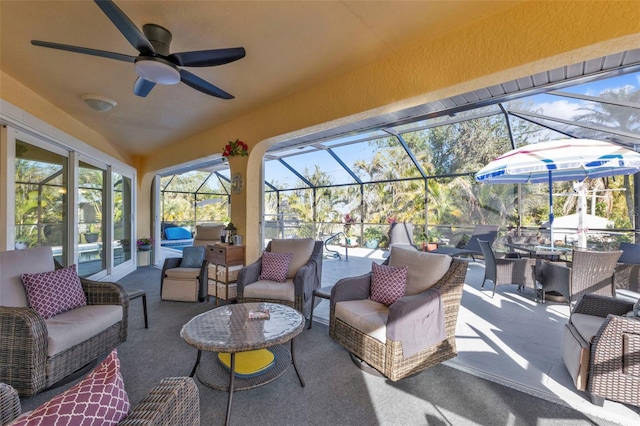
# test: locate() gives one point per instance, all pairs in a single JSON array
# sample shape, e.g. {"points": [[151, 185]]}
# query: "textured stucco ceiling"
{"points": [[291, 46]]}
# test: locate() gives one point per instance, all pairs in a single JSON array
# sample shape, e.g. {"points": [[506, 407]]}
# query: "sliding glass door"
{"points": [[41, 209], [123, 244], [91, 219]]}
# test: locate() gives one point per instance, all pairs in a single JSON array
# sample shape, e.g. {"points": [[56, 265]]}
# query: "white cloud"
{"points": [[560, 109]]}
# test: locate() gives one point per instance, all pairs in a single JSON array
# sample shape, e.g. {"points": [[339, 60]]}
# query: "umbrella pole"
{"points": [[551, 209]]}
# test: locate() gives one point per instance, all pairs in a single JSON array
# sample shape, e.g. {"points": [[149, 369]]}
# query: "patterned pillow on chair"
{"points": [[275, 266], [51, 293], [99, 399], [388, 284]]}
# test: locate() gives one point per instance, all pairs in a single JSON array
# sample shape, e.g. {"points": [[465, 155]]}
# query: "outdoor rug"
{"points": [[336, 392]]}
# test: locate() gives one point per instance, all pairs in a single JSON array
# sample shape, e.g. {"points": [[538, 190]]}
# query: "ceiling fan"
{"points": [[155, 65]]}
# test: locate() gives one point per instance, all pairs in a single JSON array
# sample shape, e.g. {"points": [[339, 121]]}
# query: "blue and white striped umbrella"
{"points": [[560, 160]]}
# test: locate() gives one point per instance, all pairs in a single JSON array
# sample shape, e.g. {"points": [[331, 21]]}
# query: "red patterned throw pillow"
{"points": [[99, 399], [51, 293], [275, 266], [388, 284]]}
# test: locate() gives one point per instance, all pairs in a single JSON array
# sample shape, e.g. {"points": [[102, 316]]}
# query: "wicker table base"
{"points": [[212, 374], [229, 329]]}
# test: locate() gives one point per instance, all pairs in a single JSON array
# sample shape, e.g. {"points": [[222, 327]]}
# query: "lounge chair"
{"points": [[486, 233]]}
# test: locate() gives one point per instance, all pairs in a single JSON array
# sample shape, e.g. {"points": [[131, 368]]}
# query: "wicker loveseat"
{"points": [[174, 401], [36, 353], [601, 349], [374, 333]]}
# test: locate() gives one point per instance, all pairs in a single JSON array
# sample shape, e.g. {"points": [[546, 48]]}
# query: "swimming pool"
{"points": [[177, 245]]}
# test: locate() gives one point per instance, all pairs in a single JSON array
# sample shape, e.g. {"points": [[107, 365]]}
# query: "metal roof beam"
{"points": [[579, 124], [295, 172], [614, 102], [344, 166]]}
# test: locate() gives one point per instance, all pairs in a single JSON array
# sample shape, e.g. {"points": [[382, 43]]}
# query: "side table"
{"points": [[226, 260], [134, 294], [323, 292]]}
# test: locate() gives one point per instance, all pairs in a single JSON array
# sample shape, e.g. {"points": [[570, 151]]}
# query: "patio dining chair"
{"points": [[504, 271], [589, 272]]}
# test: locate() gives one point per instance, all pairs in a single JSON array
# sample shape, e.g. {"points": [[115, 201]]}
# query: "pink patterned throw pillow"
{"points": [[275, 266], [99, 399], [51, 293], [388, 284]]}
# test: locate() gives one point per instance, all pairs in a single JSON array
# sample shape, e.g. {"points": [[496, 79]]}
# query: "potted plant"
{"points": [[348, 228], [372, 237], [144, 243], [92, 235]]}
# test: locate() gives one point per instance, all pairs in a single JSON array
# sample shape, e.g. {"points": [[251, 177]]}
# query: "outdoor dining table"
{"points": [[541, 252]]}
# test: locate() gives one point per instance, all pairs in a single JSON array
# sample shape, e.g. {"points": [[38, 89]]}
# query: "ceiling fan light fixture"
{"points": [[99, 103], [157, 70]]}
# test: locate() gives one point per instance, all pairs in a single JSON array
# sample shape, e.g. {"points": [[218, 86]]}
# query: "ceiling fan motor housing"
{"points": [[159, 37]]}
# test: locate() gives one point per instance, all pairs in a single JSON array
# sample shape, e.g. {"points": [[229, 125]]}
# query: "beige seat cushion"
{"points": [[76, 326], [13, 264], [301, 248], [424, 269], [183, 273], [587, 325], [264, 289], [365, 315], [181, 290], [207, 234], [576, 346]]}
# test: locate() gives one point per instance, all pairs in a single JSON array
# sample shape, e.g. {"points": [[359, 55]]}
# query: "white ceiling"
{"points": [[290, 45]]}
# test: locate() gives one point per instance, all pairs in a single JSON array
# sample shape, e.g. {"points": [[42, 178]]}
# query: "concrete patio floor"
{"points": [[509, 339]]}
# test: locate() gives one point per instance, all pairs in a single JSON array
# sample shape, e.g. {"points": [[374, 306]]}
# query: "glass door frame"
{"points": [[17, 124]]}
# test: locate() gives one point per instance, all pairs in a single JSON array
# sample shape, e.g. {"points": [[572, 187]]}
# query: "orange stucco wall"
{"points": [[532, 37]]}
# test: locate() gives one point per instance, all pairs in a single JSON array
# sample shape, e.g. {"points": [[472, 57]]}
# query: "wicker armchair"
{"points": [[29, 360], [601, 349], [378, 344], [504, 271], [304, 276], [174, 401], [590, 272]]}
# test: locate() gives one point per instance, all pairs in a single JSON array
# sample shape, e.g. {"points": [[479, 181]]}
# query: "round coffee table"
{"points": [[229, 329]]}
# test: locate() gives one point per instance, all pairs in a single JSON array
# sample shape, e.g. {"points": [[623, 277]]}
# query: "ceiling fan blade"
{"points": [[84, 50], [128, 29], [142, 87], [197, 83], [207, 58]]}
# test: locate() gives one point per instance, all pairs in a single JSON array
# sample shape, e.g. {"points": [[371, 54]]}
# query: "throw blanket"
{"points": [[417, 322]]}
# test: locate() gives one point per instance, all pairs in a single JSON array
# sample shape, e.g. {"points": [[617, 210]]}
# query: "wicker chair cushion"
{"points": [[365, 315], [183, 273], [424, 269], [192, 257], [100, 398], [208, 232], [275, 266], [388, 284], [13, 264], [302, 249], [270, 290], [180, 289], [76, 326], [51, 293], [575, 354], [587, 325]]}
